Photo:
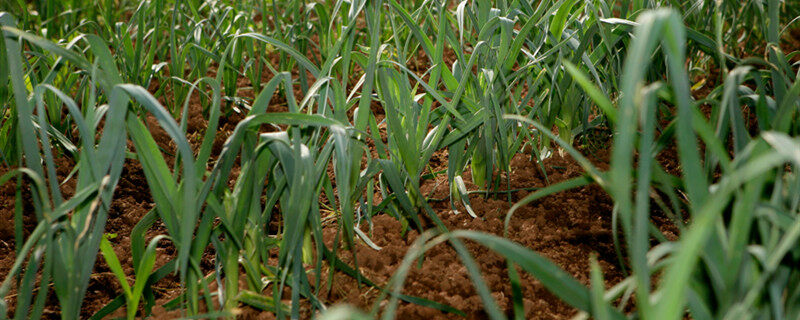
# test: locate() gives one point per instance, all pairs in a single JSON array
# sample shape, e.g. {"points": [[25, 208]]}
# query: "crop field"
{"points": [[409, 159]]}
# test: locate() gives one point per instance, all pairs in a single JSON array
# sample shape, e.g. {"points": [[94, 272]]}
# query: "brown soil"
{"points": [[566, 228]]}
